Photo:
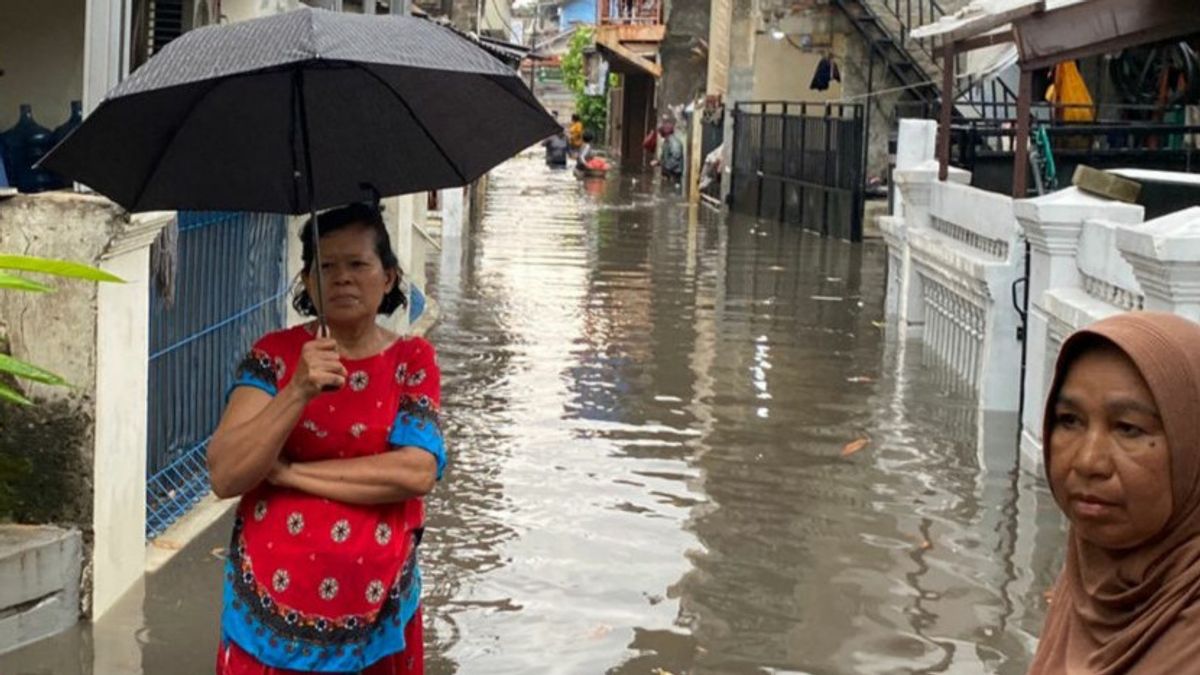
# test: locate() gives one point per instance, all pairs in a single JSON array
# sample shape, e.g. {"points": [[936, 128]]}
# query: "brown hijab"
{"points": [[1136, 610]]}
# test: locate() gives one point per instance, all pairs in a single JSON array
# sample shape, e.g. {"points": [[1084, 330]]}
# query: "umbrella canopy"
{"points": [[232, 117]]}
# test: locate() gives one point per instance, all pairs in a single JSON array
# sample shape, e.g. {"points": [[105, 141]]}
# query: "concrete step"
{"points": [[39, 582]]}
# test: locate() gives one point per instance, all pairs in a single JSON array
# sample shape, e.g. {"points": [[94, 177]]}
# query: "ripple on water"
{"points": [[651, 405]]}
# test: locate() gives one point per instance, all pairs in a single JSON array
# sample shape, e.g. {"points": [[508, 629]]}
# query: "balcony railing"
{"points": [[630, 12]]}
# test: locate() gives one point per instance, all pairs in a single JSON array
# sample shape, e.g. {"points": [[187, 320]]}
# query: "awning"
{"points": [[625, 60], [1048, 32], [978, 18], [1094, 27], [507, 51]]}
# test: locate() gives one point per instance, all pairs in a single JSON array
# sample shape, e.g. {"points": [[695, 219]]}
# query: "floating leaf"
{"points": [[58, 268], [15, 283], [854, 446], [28, 371]]}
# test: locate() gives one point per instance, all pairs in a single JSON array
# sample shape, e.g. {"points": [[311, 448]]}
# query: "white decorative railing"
{"points": [[1121, 298], [993, 247], [954, 329], [958, 257], [964, 253], [1104, 274]]}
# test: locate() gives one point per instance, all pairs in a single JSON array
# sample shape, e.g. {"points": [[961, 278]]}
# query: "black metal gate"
{"points": [[800, 163]]}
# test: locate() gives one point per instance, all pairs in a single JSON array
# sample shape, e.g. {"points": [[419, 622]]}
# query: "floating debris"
{"points": [[855, 445]]}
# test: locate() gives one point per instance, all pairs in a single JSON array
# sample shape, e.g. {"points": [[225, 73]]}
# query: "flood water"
{"points": [[648, 409]]}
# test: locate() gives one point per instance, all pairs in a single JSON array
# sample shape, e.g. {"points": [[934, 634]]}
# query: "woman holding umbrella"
{"points": [[330, 437], [331, 440]]}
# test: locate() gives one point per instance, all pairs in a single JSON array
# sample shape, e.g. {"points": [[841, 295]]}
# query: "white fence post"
{"points": [[1165, 255], [1053, 224], [122, 350], [916, 144], [915, 185]]}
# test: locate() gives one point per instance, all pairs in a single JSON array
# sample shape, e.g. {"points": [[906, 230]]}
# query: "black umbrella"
{"points": [[297, 112]]}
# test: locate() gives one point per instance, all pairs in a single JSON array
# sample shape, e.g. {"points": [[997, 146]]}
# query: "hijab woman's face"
{"points": [[1110, 466]]}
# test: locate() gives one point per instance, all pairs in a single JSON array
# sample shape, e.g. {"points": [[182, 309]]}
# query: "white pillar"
{"points": [[1053, 224], [119, 452], [915, 185], [1165, 255], [397, 217], [453, 212], [916, 144], [105, 49]]}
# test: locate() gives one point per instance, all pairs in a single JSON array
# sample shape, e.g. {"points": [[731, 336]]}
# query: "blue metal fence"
{"points": [[230, 289]]}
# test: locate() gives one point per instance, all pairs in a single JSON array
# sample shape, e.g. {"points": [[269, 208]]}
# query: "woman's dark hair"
{"points": [[361, 215], [575, 118], [588, 137]]}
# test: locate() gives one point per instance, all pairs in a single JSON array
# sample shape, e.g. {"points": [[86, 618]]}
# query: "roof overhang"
{"points": [[1095, 27], [1048, 32], [625, 60]]}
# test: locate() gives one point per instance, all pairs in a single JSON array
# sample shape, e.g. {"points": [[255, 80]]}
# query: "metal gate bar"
{"points": [[230, 289]]}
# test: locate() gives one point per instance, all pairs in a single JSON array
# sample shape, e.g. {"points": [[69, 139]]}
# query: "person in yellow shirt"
{"points": [[575, 134]]}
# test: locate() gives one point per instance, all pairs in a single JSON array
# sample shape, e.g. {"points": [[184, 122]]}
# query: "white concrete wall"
{"points": [[783, 72], [915, 146], [1090, 258], [497, 17], [119, 478], [97, 338]]}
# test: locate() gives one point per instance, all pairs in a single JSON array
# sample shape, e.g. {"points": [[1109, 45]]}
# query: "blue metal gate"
{"points": [[230, 289]]}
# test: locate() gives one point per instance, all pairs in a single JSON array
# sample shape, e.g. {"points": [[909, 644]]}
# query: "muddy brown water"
{"points": [[648, 409]]}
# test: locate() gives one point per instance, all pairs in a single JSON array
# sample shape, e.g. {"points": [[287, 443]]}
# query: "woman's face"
{"points": [[1110, 466], [354, 278]]}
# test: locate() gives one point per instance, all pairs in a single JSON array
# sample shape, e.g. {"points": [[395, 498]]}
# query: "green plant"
{"points": [[593, 110], [15, 368]]}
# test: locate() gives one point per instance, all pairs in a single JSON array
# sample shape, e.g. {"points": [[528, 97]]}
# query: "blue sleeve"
{"points": [[256, 370], [418, 426], [418, 419]]}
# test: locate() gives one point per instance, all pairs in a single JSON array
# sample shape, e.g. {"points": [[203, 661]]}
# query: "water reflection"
{"points": [[649, 409]]}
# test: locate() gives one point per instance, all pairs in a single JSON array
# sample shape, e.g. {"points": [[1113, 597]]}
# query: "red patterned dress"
{"points": [[317, 585]]}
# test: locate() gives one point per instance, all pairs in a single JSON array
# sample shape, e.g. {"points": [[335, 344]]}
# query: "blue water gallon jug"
{"points": [[73, 121], [26, 143], [3, 163]]}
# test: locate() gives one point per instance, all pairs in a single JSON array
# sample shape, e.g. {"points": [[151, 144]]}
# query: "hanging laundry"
{"points": [[827, 71], [1069, 94]]}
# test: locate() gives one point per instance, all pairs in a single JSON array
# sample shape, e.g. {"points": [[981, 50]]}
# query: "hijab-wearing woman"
{"points": [[331, 441], [1122, 452]]}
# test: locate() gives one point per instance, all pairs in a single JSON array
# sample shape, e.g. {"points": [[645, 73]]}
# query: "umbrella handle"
{"points": [[302, 109], [322, 324]]}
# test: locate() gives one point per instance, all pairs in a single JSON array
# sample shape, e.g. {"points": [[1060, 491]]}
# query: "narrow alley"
{"points": [[680, 446]]}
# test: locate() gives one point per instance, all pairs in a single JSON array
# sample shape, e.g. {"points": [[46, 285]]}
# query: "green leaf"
{"points": [[12, 396], [15, 283], [28, 371], [58, 268]]}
